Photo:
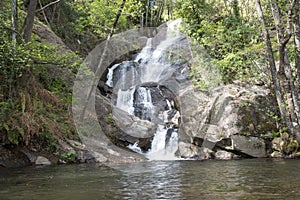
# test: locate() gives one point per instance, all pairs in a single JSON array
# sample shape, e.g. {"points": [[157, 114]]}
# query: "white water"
{"points": [[125, 100], [156, 70], [152, 69], [110, 74], [145, 99], [159, 149], [146, 53]]}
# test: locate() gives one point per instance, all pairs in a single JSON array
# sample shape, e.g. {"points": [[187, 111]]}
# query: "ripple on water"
{"points": [[241, 179]]}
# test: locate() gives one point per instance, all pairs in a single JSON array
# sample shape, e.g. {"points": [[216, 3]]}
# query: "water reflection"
{"points": [[241, 179], [152, 180]]}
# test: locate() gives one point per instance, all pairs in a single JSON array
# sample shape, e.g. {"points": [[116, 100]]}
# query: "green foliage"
{"points": [[229, 38], [47, 141], [203, 72], [69, 156], [81, 24], [111, 120], [33, 99]]}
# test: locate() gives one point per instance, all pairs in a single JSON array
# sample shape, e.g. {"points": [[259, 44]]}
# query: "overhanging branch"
{"points": [[46, 6]]}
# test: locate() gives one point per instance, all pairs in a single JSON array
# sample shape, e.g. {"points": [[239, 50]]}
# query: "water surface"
{"points": [[237, 179]]}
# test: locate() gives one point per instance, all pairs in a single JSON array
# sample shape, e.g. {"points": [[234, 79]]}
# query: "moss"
{"points": [[257, 117], [111, 120], [69, 156]]}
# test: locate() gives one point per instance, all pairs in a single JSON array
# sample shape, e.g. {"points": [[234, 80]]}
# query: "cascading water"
{"points": [[125, 100], [164, 144], [149, 66], [143, 103]]}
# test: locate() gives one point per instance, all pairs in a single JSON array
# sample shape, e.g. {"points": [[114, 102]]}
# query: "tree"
{"points": [[283, 78], [297, 42], [29, 20], [14, 20], [226, 32]]}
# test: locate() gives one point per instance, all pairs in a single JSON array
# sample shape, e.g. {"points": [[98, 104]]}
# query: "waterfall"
{"points": [[164, 145], [144, 56], [125, 100], [157, 69], [110, 73], [143, 103], [123, 75], [128, 77]]}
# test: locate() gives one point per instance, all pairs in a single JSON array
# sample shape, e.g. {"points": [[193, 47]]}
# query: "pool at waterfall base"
{"points": [[210, 179]]}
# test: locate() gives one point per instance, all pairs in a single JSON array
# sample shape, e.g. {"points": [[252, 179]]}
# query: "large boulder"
{"points": [[240, 114], [251, 146]]}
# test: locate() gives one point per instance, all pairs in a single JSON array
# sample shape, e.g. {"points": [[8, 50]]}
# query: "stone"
{"points": [[276, 154], [188, 150], [251, 146], [85, 157], [40, 160], [99, 158], [206, 153], [277, 144], [223, 155], [222, 112], [12, 158]]}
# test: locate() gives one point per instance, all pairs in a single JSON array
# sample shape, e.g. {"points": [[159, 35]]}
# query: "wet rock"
{"points": [[223, 155], [277, 144], [85, 157], [133, 125], [252, 146], [276, 154], [188, 150], [99, 158], [13, 158], [40, 160], [126, 75], [206, 153]]}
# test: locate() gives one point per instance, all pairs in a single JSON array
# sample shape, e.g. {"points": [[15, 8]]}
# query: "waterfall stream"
{"points": [[135, 97]]}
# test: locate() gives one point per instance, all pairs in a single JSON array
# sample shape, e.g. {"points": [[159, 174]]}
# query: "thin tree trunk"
{"points": [[44, 14], [277, 89], [285, 69], [297, 42], [46, 6], [160, 12], [297, 58], [14, 21], [29, 20], [97, 73], [142, 20], [147, 10]]}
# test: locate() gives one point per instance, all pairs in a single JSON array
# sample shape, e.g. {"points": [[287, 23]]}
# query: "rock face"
{"points": [[229, 118], [252, 146], [12, 158]]}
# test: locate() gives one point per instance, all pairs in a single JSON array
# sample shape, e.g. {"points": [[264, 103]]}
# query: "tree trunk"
{"points": [[297, 57], [277, 88], [147, 10], [285, 69], [29, 20], [297, 41], [14, 21]]}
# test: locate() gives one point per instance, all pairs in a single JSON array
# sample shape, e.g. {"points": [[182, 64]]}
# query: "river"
{"points": [[212, 179]]}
